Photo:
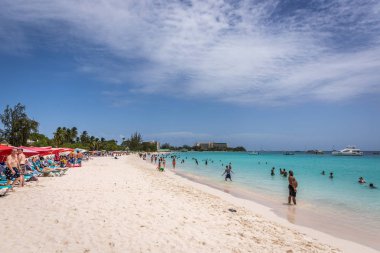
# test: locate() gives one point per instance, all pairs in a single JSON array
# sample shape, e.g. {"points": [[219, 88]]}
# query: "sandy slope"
{"points": [[126, 206]]}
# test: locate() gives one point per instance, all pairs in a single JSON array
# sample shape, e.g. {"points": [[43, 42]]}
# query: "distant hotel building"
{"points": [[212, 145]]}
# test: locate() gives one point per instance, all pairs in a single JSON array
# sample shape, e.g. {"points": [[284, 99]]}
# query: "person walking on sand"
{"points": [[228, 172], [22, 162], [292, 188]]}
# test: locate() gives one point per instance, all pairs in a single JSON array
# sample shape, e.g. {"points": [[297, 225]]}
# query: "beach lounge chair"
{"points": [[4, 189]]}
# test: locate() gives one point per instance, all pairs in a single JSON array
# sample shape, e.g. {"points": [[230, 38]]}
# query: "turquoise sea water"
{"points": [[341, 199]]}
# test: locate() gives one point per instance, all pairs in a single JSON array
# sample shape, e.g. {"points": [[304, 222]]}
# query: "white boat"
{"points": [[254, 153], [348, 151]]}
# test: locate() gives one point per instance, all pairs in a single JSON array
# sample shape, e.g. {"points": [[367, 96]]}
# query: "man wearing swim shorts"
{"points": [[228, 172], [13, 168], [80, 157], [292, 188], [22, 162]]}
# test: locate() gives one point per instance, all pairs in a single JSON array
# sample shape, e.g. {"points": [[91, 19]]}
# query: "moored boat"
{"points": [[348, 151]]}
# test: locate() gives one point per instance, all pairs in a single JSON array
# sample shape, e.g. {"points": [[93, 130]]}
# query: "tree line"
{"points": [[197, 148], [20, 130]]}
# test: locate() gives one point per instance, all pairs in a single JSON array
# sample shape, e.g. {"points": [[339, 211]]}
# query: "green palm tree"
{"points": [[74, 134], [59, 136]]}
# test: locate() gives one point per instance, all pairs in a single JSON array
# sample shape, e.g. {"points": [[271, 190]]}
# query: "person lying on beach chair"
{"points": [[42, 167], [63, 162], [55, 167]]}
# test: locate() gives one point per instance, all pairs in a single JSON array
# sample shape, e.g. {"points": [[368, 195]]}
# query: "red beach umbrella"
{"points": [[4, 152], [40, 151], [29, 152]]}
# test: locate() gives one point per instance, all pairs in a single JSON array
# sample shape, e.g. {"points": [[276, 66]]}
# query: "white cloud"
{"points": [[254, 52]]}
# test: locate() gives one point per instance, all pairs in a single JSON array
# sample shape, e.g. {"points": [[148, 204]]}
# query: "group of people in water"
{"points": [[361, 180], [160, 160], [283, 172], [330, 176]]}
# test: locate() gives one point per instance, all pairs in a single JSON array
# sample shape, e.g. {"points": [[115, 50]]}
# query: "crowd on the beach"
{"points": [[160, 161], [18, 169]]}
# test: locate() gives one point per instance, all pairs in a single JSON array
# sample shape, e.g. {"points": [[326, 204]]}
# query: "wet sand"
{"points": [[303, 214]]}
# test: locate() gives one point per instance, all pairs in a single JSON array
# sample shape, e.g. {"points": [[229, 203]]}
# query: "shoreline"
{"points": [[302, 215], [126, 205], [265, 208]]}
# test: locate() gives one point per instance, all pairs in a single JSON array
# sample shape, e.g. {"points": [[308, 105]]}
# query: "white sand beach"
{"points": [[125, 205]]}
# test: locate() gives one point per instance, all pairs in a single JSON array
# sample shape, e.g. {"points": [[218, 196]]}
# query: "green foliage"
{"points": [[166, 146], [149, 147], [110, 145], [239, 149], [18, 128], [17, 125], [40, 140], [197, 148], [84, 137], [65, 135], [135, 142]]}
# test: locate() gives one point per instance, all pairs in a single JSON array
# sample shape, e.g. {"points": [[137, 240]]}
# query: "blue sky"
{"points": [[263, 74]]}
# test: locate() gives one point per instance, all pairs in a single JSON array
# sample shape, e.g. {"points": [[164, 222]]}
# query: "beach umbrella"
{"points": [[41, 151], [4, 152], [50, 147], [57, 150], [29, 152]]}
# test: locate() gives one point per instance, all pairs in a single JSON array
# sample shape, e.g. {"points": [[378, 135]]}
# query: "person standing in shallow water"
{"points": [[173, 162], [292, 188], [228, 172]]}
